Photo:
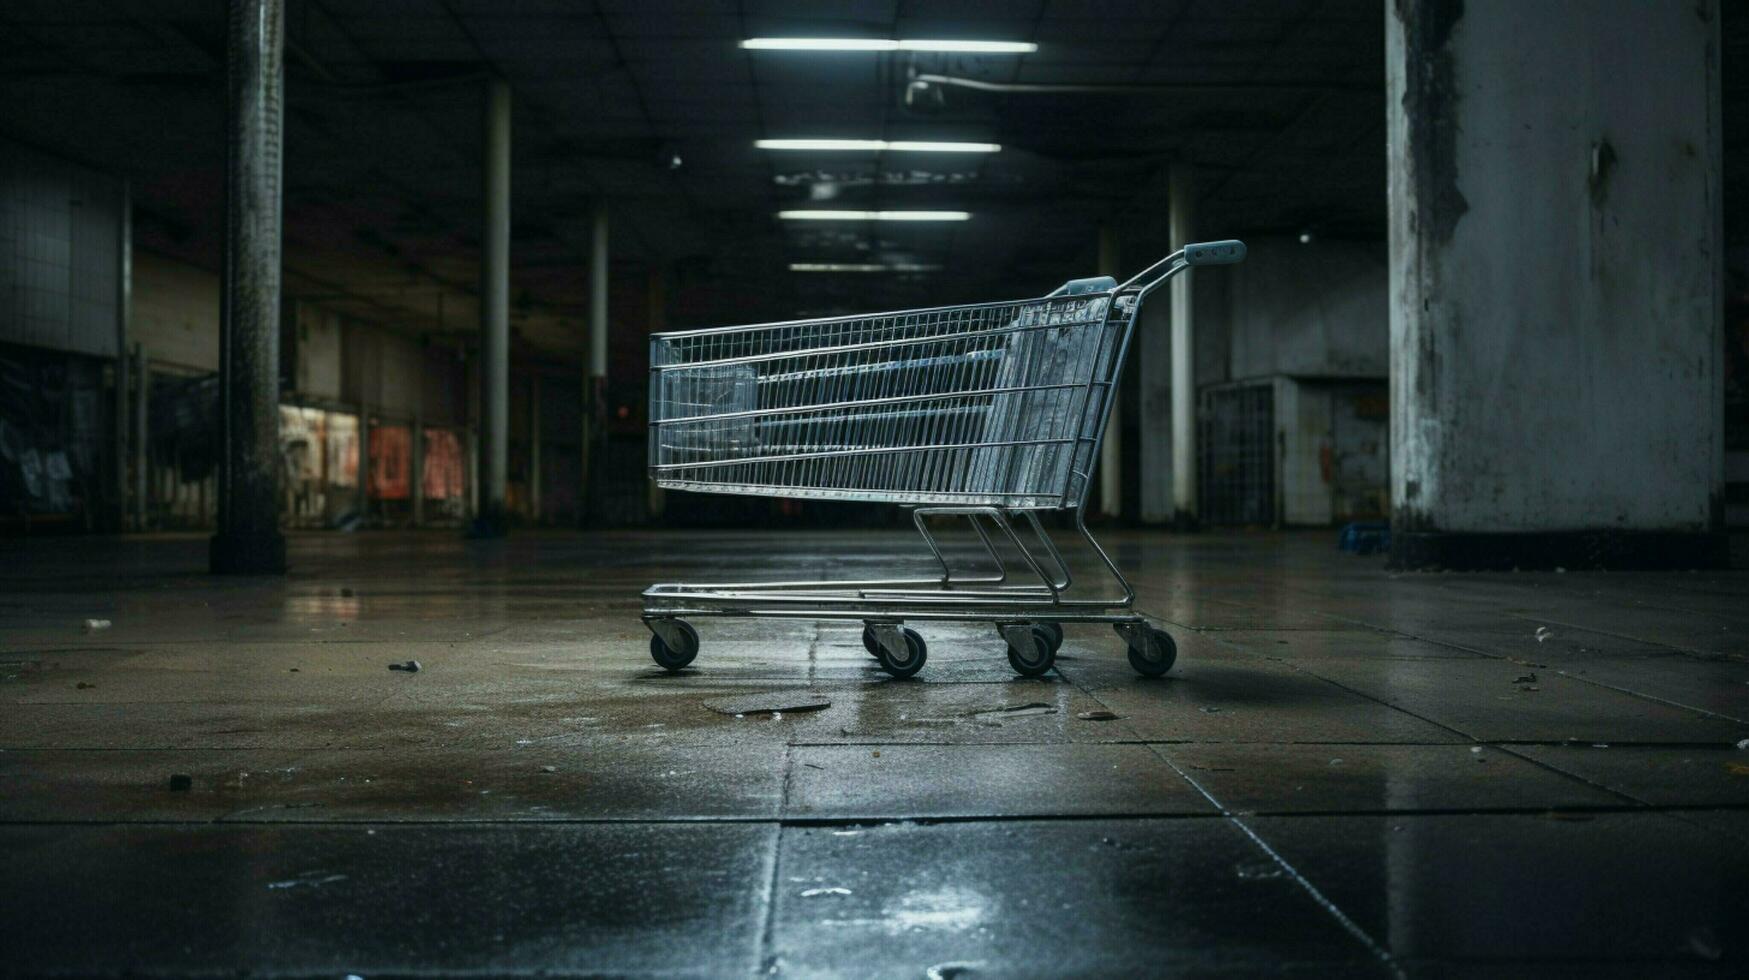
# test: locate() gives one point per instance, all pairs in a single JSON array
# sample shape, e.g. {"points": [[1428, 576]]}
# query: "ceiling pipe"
{"points": [[925, 79]]}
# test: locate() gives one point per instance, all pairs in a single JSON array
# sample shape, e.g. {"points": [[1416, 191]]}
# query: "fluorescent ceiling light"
{"points": [[901, 146], [884, 44], [874, 215], [862, 267]]}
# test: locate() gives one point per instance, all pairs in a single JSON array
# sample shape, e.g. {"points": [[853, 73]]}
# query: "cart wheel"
{"points": [[1161, 652], [669, 658], [918, 652], [869, 642], [1056, 633], [1039, 659]]}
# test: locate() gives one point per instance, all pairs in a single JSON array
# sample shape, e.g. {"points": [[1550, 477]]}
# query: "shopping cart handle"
{"points": [[1214, 253]]}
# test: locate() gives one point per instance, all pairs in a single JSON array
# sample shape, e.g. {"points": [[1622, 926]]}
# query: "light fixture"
{"points": [[863, 267], [874, 215], [884, 44], [877, 146]]}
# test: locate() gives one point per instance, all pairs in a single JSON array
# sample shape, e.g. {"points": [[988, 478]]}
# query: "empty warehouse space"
{"points": [[729, 488]]}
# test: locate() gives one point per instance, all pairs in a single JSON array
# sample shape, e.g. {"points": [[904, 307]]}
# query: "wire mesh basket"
{"points": [[984, 412]]}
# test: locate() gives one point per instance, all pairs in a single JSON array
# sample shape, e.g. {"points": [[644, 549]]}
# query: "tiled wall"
{"points": [[59, 230]]}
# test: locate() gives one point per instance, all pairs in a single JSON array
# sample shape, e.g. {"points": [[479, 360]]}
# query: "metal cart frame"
{"points": [[988, 413]]}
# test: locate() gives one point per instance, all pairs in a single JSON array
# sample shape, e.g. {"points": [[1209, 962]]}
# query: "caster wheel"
{"points": [[869, 643], [1159, 656], [1056, 633], [916, 653], [1038, 659], [669, 658]]}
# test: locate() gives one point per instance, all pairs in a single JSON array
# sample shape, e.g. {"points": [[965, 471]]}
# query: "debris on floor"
{"points": [[1743, 744], [410, 666], [181, 783], [995, 716], [311, 879], [1543, 633], [84, 686], [93, 625], [953, 970], [549, 768], [821, 892], [1525, 679], [769, 702], [1098, 715], [1704, 943]]}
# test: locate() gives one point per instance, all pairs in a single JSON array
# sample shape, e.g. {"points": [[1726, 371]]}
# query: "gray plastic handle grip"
{"points": [[1214, 253]]}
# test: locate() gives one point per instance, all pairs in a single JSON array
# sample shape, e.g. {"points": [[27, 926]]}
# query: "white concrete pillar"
{"points": [[1111, 450], [1555, 308], [1181, 216], [495, 315]]}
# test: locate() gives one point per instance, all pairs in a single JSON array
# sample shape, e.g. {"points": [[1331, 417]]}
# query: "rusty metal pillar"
{"points": [[249, 539], [491, 519]]}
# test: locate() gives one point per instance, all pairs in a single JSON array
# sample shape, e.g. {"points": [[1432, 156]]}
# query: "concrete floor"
{"points": [[1348, 771]]}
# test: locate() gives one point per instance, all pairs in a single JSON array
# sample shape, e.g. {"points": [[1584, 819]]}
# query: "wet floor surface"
{"points": [[1347, 772]]}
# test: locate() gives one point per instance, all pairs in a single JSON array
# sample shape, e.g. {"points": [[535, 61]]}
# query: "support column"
{"points": [[248, 539], [1111, 449], [142, 373], [658, 298], [1555, 295], [364, 469], [534, 445], [416, 486], [595, 379], [124, 298], [1181, 216], [490, 519]]}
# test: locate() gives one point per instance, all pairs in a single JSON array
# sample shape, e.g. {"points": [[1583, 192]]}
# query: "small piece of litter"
{"points": [[1100, 715], [769, 702], [995, 716], [549, 768], [1476, 749], [292, 670], [1704, 943], [1335, 762], [818, 892], [877, 753], [410, 666], [181, 783], [1542, 633], [1600, 745], [810, 765], [1528, 687], [953, 970], [1524, 679], [1260, 871], [311, 879], [83, 685], [1743, 744], [96, 624], [1211, 710]]}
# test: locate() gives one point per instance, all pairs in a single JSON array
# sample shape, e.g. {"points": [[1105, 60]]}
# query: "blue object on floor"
{"points": [[1365, 537]]}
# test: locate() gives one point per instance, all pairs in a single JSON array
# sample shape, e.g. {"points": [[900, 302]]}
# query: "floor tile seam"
{"points": [[1353, 928], [1564, 672], [1308, 671]]}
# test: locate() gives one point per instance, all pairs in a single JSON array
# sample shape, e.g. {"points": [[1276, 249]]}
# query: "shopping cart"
{"points": [[991, 413]]}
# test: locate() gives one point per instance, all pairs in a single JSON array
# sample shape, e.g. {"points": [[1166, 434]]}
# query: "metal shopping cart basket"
{"points": [[991, 413]]}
